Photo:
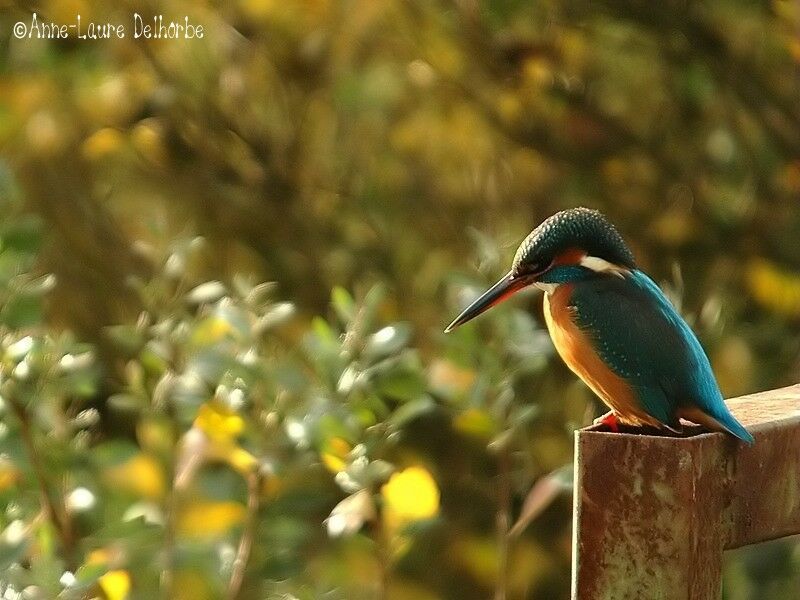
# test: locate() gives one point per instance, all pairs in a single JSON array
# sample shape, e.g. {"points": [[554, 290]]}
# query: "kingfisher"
{"points": [[613, 326]]}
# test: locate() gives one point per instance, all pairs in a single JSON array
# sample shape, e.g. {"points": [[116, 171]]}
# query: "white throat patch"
{"points": [[600, 265], [548, 288]]}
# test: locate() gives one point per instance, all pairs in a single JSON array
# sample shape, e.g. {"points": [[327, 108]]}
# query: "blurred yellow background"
{"points": [[171, 425]]}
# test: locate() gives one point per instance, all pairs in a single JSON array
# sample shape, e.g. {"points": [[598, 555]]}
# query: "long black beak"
{"points": [[494, 295]]}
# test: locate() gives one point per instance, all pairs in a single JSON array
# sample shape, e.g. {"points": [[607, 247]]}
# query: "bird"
{"points": [[613, 326]]}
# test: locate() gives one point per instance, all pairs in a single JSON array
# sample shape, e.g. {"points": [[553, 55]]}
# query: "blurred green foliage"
{"points": [[170, 423]]}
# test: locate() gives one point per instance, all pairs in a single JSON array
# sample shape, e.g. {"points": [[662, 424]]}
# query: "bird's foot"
{"points": [[609, 420]]}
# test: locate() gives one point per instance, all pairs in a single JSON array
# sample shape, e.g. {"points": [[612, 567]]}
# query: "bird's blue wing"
{"points": [[642, 338]]}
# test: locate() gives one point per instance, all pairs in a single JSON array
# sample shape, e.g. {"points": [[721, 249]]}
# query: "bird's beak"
{"points": [[501, 290]]}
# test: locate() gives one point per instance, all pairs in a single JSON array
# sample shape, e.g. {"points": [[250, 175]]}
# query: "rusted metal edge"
{"points": [[652, 514]]}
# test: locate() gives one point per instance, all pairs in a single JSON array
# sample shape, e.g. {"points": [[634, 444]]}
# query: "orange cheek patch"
{"points": [[571, 256]]}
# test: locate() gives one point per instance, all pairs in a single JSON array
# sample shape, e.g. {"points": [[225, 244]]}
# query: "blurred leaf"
{"points": [[486, 248], [347, 380], [372, 301], [258, 294], [542, 494], [114, 452], [403, 385], [193, 585], [277, 315], [343, 304], [521, 416], [387, 341], [350, 514], [23, 234], [323, 332], [206, 293], [125, 403], [378, 471], [475, 422], [479, 558], [12, 549], [126, 337], [190, 391], [154, 357], [449, 380], [89, 573], [22, 310], [410, 411], [19, 349], [40, 285], [399, 377], [502, 441]]}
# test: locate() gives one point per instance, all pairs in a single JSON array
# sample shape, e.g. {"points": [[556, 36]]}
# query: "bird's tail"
{"points": [[735, 428], [719, 420]]}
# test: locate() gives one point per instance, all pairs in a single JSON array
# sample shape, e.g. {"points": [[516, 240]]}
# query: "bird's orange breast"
{"points": [[575, 347]]}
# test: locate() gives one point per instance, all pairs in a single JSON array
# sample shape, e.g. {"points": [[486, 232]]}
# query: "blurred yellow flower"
{"points": [[788, 177], [529, 563], [99, 556], [238, 458], [538, 71], [154, 434], [141, 474], [192, 585], [774, 288], [222, 425], [9, 474], [218, 422], [615, 171], [115, 584], [476, 423], [212, 438], [409, 495], [334, 454], [64, 11], [211, 330], [271, 487], [147, 138], [258, 10], [509, 106], [202, 519], [793, 44], [102, 143]]}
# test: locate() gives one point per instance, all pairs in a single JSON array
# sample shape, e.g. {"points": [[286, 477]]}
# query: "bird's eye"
{"points": [[531, 268], [538, 267]]}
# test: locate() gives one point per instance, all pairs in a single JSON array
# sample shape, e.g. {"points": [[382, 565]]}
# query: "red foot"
{"points": [[610, 420]]}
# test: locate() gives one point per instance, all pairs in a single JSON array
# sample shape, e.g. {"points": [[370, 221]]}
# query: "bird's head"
{"points": [[570, 245]]}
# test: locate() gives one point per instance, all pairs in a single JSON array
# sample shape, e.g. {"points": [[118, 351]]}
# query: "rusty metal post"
{"points": [[653, 515]]}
